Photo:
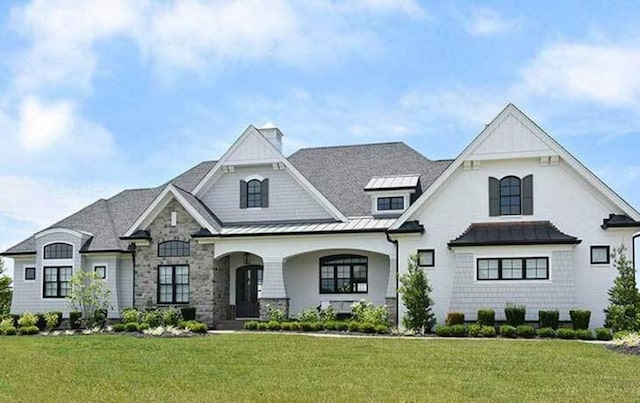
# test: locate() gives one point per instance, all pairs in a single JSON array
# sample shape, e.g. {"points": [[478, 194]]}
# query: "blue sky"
{"points": [[99, 96]]}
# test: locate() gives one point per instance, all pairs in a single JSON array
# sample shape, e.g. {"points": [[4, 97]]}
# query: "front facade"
{"points": [[514, 219]]}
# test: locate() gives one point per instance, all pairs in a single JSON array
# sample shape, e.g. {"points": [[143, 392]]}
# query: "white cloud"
{"points": [[487, 22], [43, 125]]}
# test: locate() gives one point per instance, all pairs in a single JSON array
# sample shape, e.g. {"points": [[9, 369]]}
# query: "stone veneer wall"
{"points": [[392, 304], [208, 278], [273, 303]]}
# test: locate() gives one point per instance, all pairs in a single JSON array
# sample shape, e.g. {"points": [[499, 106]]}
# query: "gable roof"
{"points": [[543, 137], [341, 173], [514, 233]]}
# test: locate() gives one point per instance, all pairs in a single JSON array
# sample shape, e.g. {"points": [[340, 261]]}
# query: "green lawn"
{"points": [[262, 367]]}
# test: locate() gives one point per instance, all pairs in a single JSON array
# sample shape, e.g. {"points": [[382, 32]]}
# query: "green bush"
{"points": [[342, 326], [331, 325], [454, 318], [262, 326], [474, 330], [309, 315], [526, 331], [295, 326], [188, 313], [603, 334], [317, 326], [171, 317], [119, 327], [515, 314], [416, 298], [459, 331], [28, 330], [277, 315], [27, 320], [549, 319], [130, 315], [382, 329], [198, 327], [328, 314], [353, 326], [584, 334], [52, 320], [367, 327], [75, 319], [152, 317], [306, 326], [10, 331], [367, 312], [547, 333], [443, 331], [487, 317], [285, 326], [488, 331], [251, 325], [580, 318], [7, 327], [566, 333], [143, 326], [15, 318], [273, 325], [41, 322], [131, 327], [508, 331]]}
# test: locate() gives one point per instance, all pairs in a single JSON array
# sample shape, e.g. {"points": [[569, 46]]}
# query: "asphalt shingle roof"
{"points": [[513, 233]]}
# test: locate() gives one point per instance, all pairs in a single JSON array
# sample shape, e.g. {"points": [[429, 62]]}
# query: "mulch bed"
{"points": [[625, 350]]}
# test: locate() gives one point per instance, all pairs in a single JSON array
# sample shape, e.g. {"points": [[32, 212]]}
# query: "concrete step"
{"points": [[230, 325]]}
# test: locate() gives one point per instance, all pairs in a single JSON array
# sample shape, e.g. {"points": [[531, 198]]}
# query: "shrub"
{"points": [[566, 333], [15, 318], [547, 333], [295, 326], [331, 325], [10, 331], [328, 314], [454, 318], [624, 299], [488, 331], [152, 317], [273, 325], [487, 317], [143, 326], [443, 331], [28, 330], [367, 312], [474, 330], [188, 313], [52, 320], [276, 315], [130, 315], [526, 331], [508, 331], [90, 295], [309, 315], [629, 339], [367, 327], [515, 314], [131, 327], [100, 317], [342, 326], [119, 327], [353, 326], [261, 326], [6, 327], [603, 334], [584, 334], [580, 318], [251, 325], [459, 331], [199, 327], [171, 317], [41, 322], [317, 326], [75, 319], [382, 329], [549, 319], [416, 290], [27, 320], [285, 326]]}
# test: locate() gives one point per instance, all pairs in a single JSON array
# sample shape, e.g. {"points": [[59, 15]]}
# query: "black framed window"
{"points": [[56, 282], [58, 251], [254, 193], [600, 254], [101, 271], [29, 273], [173, 284], [390, 203], [426, 257], [174, 249], [344, 274], [510, 196], [527, 268]]}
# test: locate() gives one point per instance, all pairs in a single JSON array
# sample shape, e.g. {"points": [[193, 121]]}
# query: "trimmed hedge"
{"points": [[566, 333], [546, 333], [549, 319], [515, 314], [604, 334], [508, 331], [526, 331], [455, 318], [487, 317], [580, 318]]}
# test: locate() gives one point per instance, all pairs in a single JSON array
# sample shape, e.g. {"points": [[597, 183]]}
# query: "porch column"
{"points": [[274, 293], [390, 298]]}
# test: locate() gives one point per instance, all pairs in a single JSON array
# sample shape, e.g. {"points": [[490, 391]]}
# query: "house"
{"points": [[514, 218]]}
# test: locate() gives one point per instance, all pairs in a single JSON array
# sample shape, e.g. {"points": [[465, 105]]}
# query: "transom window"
{"points": [[56, 282], [174, 249], [529, 268], [58, 251], [173, 284], [344, 274], [390, 203], [510, 198], [600, 254]]}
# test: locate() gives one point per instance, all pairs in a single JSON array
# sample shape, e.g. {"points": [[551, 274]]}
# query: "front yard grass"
{"points": [[267, 367]]}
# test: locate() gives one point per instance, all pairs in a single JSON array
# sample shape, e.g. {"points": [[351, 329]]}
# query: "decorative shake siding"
{"points": [[208, 278]]}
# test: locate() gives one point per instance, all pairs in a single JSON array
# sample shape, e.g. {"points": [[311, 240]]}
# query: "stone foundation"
{"points": [[273, 303], [392, 304]]}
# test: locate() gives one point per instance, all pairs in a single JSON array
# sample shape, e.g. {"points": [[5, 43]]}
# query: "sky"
{"points": [[100, 96]]}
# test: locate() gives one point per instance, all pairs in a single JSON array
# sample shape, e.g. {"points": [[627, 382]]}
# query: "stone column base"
{"points": [[273, 303], [392, 304]]}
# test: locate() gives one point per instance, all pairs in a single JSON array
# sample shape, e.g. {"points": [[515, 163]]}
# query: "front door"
{"points": [[248, 285]]}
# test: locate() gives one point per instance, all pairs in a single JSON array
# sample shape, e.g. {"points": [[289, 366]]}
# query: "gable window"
{"points": [[58, 251], [600, 254], [174, 249], [390, 203], [173, 284], [254, 193], [101, 271], [343, 274], [56, 282], [30, 273], [426, 258], [528, 268], [511, 196]]}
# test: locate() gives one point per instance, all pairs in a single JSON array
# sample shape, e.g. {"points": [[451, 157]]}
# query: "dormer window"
{"points": [[511, 196], [392, 194], [390, 203], [254, 193]]}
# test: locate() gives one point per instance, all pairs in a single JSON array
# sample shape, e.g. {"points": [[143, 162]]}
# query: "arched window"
{"points": [[510, 196], [343, 274], [173, 249], [58, 251], [254, 193]]}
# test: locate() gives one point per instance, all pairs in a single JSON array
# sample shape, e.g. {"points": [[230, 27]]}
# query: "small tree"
{"points": [[415, 290], [89, 295], [624, 299], [5, 290]]}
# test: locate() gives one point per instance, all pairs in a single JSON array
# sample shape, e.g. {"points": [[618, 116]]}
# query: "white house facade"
{"points": [[514, 218]]}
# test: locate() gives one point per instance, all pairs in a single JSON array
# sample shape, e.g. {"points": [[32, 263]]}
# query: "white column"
{"points": [[273, 279]]}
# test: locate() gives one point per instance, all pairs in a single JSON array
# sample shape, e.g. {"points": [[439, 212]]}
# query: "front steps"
{"points": [[230, 324]]}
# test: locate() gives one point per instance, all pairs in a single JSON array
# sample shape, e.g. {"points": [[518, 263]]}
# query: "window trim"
{"points": [[58, 282], [173, 285], [25, 273], [433, 257], [608, 247], [390, 209], [259, 193], [44, 251], [171, 241], [101, 266], [524, 268], [335, 273], [519, 195]]}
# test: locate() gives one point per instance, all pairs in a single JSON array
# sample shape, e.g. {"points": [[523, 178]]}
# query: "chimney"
{"points": [[273, 134]]}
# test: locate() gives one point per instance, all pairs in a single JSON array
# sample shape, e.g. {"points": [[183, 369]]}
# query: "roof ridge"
{"points": [[352, 145]]}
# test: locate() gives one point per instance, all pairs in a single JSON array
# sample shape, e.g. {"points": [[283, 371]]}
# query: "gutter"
{"points": [[397, 272]]}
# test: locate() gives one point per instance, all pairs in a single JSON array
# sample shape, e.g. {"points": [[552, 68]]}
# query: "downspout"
{"points": [[397, 272], [633, 252], [133, 257]]}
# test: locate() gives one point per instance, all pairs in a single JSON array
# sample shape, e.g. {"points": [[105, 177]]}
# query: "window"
{"points": [[173, 249], [101, 270], [30, 273], [510, 196], [600, 254], [532, 268], [390, 203], [56, 282], [254, 193], [343, 274], [58, 251], [426, 258], [173, 284]]}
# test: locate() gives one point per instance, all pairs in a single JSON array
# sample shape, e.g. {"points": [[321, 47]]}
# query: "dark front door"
{"points": [[248, 283]]}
